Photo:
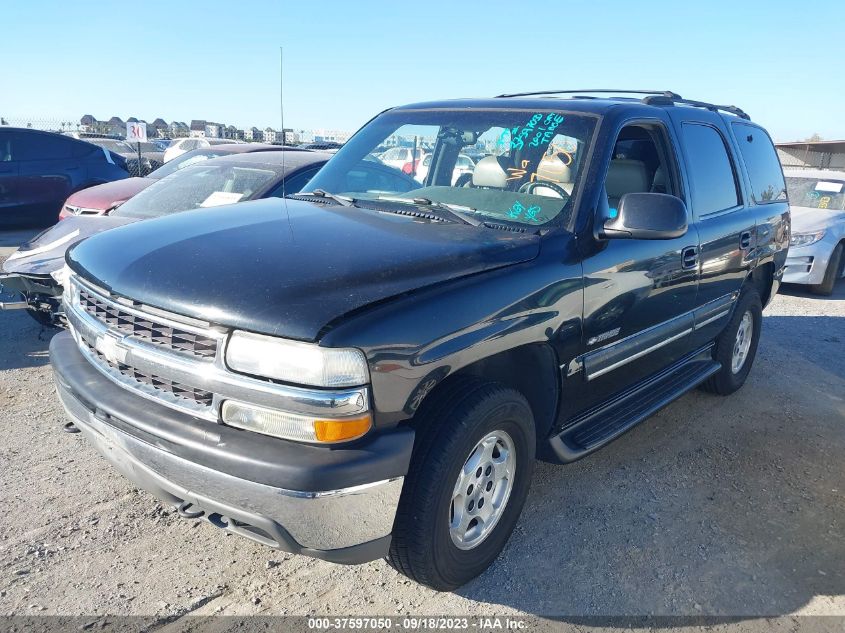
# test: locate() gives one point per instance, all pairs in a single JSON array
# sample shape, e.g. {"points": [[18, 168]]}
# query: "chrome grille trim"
{"points": [[192, 395], [165, 331], [195, 373]]}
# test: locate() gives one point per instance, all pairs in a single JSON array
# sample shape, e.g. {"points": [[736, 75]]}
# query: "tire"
{"points": [[466, 413], [730, 377], [831, 273]]}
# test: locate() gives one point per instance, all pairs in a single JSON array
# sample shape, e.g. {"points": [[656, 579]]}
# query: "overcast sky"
{"points": [[345, 61]]}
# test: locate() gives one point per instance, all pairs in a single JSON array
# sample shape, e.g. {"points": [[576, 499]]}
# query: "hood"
{"points": [[105, 196], [287, 268], [809, 219], [45, 253]]}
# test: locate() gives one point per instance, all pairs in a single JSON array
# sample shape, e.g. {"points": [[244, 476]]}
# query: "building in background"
{"points": [[198, 128], [812, 154], [253, 134]]}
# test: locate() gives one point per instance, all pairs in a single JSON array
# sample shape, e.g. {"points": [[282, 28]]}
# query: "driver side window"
{"points": [[642, 162]]}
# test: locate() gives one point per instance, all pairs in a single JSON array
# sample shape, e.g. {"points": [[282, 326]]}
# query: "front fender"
{"points": [[415, 342]]}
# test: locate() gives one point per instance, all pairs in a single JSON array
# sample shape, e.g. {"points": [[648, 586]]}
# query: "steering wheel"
{"points": [[529, 187]]}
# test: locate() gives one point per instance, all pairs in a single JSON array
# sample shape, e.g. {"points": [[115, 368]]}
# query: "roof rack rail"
{"points": [[663, 93], [666, 100], [654, 97]]}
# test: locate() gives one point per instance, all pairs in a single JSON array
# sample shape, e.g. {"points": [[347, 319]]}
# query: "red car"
{"points": [[102, 199]]}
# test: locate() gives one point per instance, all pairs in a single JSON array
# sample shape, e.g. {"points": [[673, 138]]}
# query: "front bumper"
{"points": [[807, 264], [337, 504]]}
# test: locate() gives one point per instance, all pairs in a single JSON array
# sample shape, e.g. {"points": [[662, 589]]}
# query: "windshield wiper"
{"points": [[446, 211], [321, 193]]}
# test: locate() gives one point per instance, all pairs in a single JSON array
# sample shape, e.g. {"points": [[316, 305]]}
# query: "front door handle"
{"points": [[689, 258], [745, 240]]}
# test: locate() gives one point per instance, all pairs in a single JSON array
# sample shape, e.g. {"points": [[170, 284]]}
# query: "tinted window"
{"points": [[710, 171], [38, 146], [761, 161], [294, 183]]}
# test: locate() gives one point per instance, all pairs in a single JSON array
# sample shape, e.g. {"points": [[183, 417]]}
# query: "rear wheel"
{"points": [[466, 486], [831, 273], [736, 346]]}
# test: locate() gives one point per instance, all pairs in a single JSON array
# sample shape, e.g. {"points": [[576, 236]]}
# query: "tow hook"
{"points": [[183, 511], [70, 427]]}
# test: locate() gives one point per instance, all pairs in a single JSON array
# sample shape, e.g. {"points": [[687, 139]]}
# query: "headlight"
{"points": [[805, 239], [293, 426], [296, 362]]}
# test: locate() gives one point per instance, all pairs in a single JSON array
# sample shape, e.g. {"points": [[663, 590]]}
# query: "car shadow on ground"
{"points": [[802, 292], [27, 341], [729, 506]]}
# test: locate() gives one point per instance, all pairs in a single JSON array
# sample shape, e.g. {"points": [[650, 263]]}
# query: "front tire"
{"points": [[736, 346], [831, 273], [468, 480]]}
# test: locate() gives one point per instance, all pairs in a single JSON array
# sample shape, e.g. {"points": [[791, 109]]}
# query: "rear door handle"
{"points": [[689, 258], [745, 240]]}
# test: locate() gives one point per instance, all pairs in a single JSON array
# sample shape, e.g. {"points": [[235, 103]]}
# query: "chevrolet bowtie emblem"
{"points": [[109, 346]]}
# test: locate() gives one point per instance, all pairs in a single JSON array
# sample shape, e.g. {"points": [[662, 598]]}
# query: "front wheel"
{"points": [[736, 346], [466, 486]]}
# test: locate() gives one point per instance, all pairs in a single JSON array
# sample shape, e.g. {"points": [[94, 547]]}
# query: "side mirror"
{"points": [[646, 216]]}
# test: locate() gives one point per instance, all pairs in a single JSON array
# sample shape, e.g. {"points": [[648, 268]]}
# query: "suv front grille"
{"points": [[147, 327], [198, 396]]}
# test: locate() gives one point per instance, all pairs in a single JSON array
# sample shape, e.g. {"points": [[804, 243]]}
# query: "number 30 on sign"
{"points": [[136, 132]]}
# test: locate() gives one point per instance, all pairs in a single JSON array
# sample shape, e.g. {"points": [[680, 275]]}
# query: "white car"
{"points": [[398, 157], [182, 145], [817, 201], [463, 165]]}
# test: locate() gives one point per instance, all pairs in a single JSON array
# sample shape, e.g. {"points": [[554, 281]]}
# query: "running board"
{"points": [[604, 423]]}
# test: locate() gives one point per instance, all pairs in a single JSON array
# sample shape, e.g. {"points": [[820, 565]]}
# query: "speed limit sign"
{"points": [[136, 132]]}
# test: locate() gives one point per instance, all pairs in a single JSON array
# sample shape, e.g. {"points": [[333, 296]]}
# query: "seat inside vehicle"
{"points": [[625, 176], [491, 172]]}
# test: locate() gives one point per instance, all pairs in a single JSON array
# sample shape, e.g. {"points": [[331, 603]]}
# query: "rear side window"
{"points": [[38, 146], [712, 176], [761, 161]]}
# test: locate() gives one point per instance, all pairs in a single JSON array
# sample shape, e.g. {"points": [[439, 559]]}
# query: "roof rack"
{"points": [[663, 93], [665, 100], [654, 97]]}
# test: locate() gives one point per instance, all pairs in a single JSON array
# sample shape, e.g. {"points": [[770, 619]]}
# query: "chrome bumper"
{"points": [[347, 525]]}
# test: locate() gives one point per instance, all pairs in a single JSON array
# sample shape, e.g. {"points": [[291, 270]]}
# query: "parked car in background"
{"points": [[817, 199], [463, 167], [374, 372], [101, 199], [33, 273], [39, 170], [398, 157], [152, 157], [182, 145], [326, 146]]}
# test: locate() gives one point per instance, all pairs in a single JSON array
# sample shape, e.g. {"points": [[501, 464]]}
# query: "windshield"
{"points": [[205, 185], [188, 158], [816, 193], [526, 169]]}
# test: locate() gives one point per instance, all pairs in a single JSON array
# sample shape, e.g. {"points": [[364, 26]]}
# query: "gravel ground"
{"points": [[723, 506]]}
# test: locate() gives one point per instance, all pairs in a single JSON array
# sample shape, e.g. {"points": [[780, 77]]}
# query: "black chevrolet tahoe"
{"points": [[370, 368]]}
